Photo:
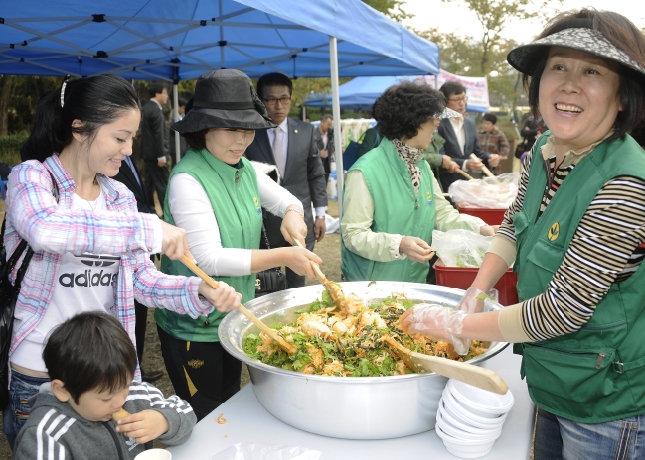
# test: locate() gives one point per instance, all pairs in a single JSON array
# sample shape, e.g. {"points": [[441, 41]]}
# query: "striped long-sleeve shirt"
{"points": [[52, 228], [607, 247]]}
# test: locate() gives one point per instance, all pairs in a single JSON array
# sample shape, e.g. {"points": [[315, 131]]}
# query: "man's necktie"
{"points": [[278, 153]]}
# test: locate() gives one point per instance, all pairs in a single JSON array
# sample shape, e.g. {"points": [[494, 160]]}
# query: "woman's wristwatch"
{"points": [[320, 217]]}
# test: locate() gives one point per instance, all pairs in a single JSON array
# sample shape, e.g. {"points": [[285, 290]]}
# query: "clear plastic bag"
{"points": [[256, 451], [490, 192], [460, 248]]}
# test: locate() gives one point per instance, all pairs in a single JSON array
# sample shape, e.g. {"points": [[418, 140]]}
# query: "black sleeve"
{"points": [[316, 176]]}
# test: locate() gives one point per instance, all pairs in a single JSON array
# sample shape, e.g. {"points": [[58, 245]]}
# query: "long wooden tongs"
{"points": [[286, 346]]}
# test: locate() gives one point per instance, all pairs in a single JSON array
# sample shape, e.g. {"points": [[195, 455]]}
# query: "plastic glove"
{"points": [[441, 323], [475, 301]]}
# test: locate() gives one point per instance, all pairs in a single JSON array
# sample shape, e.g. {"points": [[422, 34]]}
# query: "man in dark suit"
{"points": [[292, 148], [324, 137], [129, 175], [461, 136], [154, 143]]}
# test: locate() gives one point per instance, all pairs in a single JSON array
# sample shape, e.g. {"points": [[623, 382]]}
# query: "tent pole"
{"points": [[338, 146], [175, 117]]}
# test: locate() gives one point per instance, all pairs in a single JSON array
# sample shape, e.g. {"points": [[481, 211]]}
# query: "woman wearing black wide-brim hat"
{"points": [[576, 236], [215, 194]]}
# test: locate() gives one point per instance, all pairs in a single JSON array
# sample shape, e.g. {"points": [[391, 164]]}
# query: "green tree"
{"points": [[391, 8], [494, 15]]}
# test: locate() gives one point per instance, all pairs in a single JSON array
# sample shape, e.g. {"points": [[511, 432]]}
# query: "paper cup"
{"points": [[154, 454]]}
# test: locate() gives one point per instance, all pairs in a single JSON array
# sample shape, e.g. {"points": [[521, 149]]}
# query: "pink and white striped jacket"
{"points": [[52, 229]]}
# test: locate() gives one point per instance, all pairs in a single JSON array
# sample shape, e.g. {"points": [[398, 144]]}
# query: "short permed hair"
{"points": [[273, 79], [90, 351], [452, 87], [490, 117], [403, 108]]}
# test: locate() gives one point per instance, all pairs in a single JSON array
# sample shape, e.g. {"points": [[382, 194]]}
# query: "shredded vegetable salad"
{"points": [[346, 343]]}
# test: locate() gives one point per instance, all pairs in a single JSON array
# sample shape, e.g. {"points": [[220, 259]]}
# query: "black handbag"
{"points": [[271, 280], [8, 297], [521, 148]]}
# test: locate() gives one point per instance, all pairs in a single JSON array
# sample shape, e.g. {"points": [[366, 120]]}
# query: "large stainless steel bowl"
{"points": [[343, 407]]}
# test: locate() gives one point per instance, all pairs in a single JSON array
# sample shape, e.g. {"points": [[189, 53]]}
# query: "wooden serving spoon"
{"points": [[485, 170], [476, 376], [335, 292], [465, 174], [263, 327]]}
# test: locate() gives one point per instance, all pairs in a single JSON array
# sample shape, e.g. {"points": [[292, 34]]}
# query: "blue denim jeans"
{"points": [[559, 438], [15, 415]]}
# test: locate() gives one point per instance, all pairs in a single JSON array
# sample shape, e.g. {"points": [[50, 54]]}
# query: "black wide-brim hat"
{"points": [[526, 58], [224, 99]]}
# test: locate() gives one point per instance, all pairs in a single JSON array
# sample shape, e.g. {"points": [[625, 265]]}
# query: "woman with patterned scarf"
{"points": [[392, 200]]}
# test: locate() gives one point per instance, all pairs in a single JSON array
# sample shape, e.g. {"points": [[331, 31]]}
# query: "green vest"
{"points": [[233, 192], [396, 210], [597, 373]]}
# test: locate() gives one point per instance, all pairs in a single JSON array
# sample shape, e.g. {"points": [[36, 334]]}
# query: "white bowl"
{"points": [[463, 448], [466, 426], [457, 410], [480, 401], [455, 432]]}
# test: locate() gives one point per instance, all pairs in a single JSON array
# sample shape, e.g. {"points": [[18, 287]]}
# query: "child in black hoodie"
{"points": [[91, 362]]}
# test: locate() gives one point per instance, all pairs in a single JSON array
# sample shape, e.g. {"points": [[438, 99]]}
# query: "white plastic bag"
{"points": [[256, 451], [497, 192], [460, 248]]}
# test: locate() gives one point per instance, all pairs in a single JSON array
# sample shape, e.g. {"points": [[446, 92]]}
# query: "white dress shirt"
{"points": [[460, 133]]}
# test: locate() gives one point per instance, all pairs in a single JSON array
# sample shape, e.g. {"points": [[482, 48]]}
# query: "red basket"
{"points": [[463, 278], [490, 216]]}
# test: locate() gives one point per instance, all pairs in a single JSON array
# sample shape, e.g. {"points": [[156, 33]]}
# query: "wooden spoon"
{"points": [[476, 376], [335, 292], [263, 327], [465, 174], [485, 170]]}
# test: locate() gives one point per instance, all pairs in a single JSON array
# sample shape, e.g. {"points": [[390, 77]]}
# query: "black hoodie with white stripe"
{"points": [[55, 431]]}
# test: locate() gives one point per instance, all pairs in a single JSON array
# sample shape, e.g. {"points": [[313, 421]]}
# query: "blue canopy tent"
{"points": [[361, 92], [181, 39]]}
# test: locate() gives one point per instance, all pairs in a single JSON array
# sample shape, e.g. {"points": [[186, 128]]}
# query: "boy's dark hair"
{"points": [[273, 79], [325, 117], [90, 351], [452, 87], [156, 87], [490, 117], [403, 108], [181, 102], [95, 101]]}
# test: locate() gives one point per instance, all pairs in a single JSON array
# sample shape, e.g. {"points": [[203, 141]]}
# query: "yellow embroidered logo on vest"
{"points": [[554, 232], [429, 197], [196, 363], [257, 205]]}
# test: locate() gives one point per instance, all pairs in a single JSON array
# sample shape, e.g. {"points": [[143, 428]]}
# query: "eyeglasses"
{"points": [[284, 100], [458, 99]]}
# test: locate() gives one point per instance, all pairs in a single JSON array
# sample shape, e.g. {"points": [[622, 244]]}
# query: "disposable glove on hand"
{"points": [[475, 301], [441, 323]]}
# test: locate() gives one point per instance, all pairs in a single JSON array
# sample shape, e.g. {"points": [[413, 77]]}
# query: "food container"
{"points": [[490, 216], [343, 407], [462, 278]]}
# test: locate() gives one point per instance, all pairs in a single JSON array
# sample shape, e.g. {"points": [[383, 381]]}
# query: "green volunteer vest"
{"points": [[396, 210], [597, 373], [234, 195]]}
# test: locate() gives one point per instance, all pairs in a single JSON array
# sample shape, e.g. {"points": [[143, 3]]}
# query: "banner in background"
{"points": [[476, 88]]}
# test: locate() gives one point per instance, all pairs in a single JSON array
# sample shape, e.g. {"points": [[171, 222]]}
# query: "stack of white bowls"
{"points": [[469, 420]]}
